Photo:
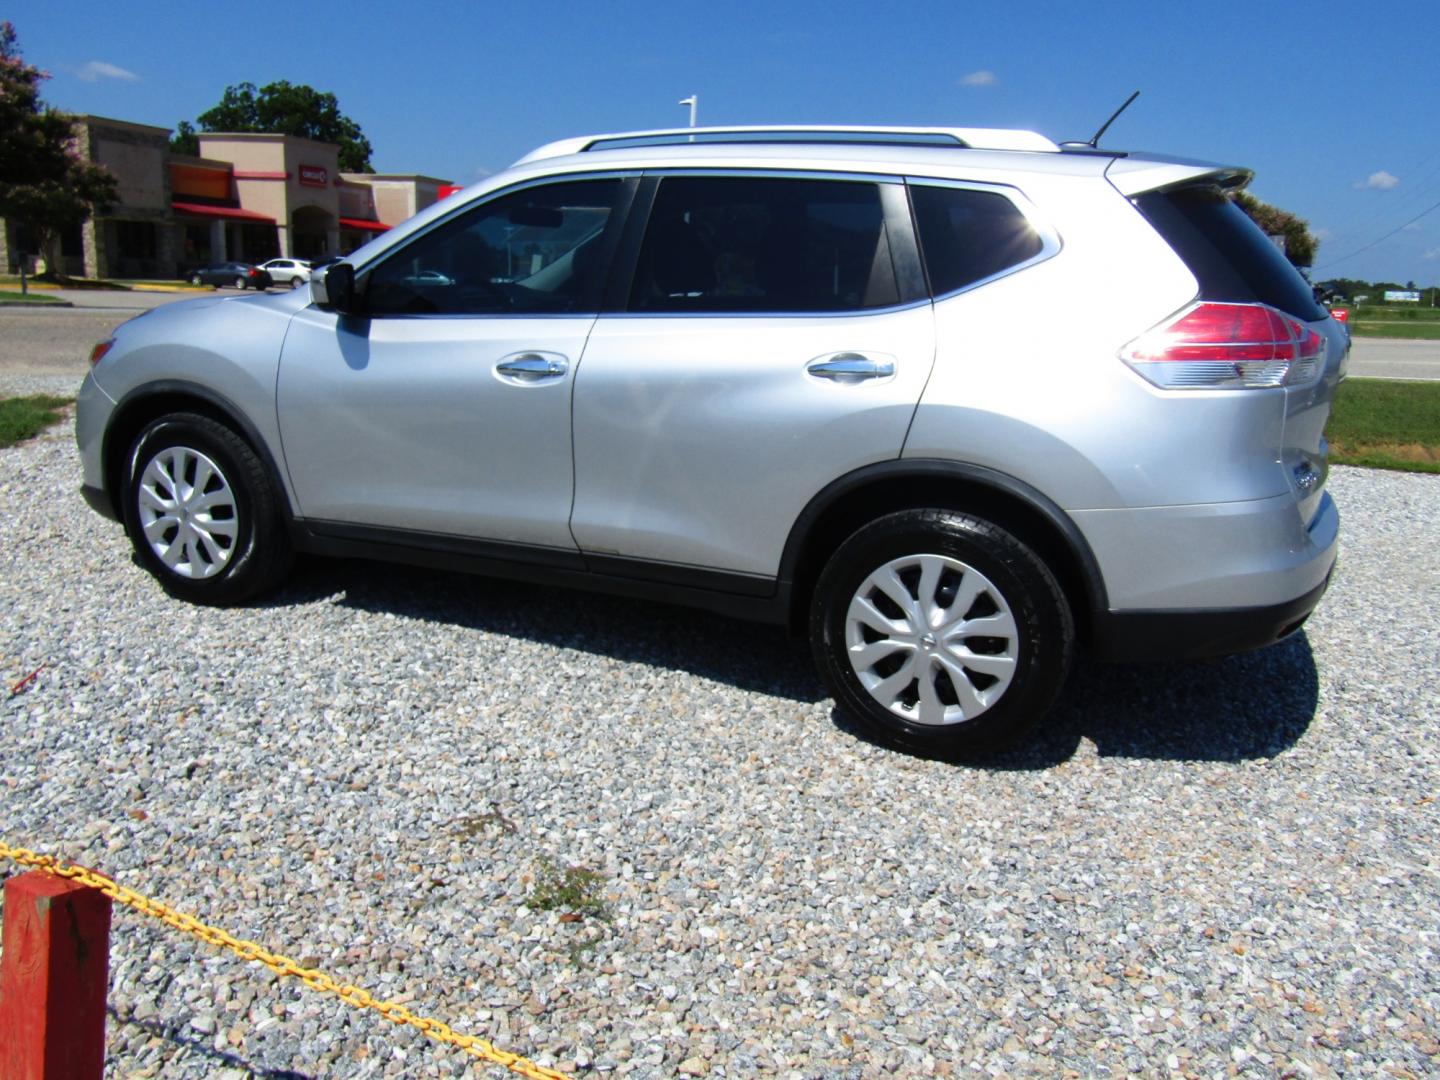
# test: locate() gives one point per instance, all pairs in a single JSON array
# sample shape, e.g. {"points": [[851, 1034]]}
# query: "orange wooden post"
{"points": [[53, 979]]}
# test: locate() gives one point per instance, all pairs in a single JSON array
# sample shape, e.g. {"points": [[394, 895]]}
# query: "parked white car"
{"points": [[292, 273]]}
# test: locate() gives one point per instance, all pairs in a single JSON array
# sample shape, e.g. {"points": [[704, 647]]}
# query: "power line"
{"points": [[1382, 239]]}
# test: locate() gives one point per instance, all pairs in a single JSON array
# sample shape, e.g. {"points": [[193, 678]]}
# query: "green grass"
{"points": [[64, 283], [1406, 312], [26, 417], [571, 889], [1386, 425], [1396, 321], [1409, 331], [16, 297]]}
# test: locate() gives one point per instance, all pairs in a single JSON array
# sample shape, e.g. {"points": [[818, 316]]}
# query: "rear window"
{"points": [[1226, 251], [968, 235]]}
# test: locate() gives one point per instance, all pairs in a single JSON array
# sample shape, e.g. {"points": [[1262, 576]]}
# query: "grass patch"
{"points": [[56, 281], [1395, 321], [25, 417], [16, 297], [1384, 424], [1410, 331], [571, 889]]}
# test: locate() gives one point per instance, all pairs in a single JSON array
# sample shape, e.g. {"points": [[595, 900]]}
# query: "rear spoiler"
{"points": [[1141, 173]]}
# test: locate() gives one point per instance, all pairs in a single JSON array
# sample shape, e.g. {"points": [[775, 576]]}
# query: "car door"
{"points": [[776, 336], [445, 408]]}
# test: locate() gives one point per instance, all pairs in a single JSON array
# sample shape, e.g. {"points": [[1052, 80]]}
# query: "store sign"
{"points": [[314, 175], [1403, 296]]}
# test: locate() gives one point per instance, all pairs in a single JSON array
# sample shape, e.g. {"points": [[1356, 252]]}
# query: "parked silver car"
{"points": [[953, 402]]}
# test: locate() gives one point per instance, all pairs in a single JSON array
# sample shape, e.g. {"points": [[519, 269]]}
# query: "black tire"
{"points": [[196, 279], [235, 544], [933, 552], [296, 282], [240, 283]]}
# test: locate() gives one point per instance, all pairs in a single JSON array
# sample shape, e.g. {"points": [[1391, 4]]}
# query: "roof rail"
{"points": [[960, 138]]}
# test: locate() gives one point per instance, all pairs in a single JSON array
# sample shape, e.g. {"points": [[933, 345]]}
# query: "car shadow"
{"points": [[1247, 707], [1237, 708], [748, 656]]}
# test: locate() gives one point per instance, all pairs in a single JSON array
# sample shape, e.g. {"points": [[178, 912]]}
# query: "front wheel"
{"points": [[240, 283], [203, 512], [941, 632], [196, 279], [296, 282]]}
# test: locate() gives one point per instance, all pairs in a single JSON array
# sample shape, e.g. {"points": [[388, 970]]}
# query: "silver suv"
{"points": [[955, 403]]}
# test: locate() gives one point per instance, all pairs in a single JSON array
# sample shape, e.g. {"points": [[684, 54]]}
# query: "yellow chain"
{"points": [[281, 965]]}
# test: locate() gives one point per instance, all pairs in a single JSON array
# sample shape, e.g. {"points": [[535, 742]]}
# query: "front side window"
{"points": [[968, 235], [753, 244], [537, 251]]}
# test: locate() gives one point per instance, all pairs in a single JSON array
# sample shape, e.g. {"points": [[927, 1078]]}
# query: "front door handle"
{"points": [[851, 367], [532, 367]]}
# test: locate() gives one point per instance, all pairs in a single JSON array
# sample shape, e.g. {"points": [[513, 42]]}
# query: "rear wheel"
{"points": [[941, 632], [203, 512], [196, 279]]}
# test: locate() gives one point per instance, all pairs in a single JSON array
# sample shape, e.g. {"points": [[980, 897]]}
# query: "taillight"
{"points": [[98, 352], [1212, 346]]}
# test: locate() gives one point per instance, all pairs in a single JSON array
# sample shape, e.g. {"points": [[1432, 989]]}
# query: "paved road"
{"points": [[1387, 358], [57, 341]]}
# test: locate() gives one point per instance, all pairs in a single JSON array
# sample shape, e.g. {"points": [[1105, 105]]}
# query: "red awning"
{"points": [[363, 225], [228, 212]]}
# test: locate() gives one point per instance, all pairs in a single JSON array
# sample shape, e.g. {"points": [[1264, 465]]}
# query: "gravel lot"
{"points": [[1207, 868]]}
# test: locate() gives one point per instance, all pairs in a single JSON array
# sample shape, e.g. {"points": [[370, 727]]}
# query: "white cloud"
{"points": [[979, 78], [1380, 181], [1433, 253], [96, 70], [1322, 234]]}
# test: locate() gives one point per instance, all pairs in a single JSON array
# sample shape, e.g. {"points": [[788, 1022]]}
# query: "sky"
{"points": [[1335, 107]]}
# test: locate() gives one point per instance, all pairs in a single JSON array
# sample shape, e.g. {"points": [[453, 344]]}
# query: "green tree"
{"points": [[281, 108], [44, 183], [1300, 243]]}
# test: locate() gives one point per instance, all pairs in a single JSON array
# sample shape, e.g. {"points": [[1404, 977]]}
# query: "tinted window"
{"points": [[1226, 251], [536, 251], [749, 244], [968, 235]]}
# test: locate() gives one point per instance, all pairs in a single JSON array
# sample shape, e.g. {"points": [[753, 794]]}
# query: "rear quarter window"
{"points": [[1228, 254], [968, 235]]}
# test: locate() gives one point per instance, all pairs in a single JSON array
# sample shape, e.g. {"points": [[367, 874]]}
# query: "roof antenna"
{"points": [[1094, 142]]}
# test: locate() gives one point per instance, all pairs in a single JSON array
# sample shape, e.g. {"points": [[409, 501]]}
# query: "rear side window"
{"points": [[1226, 251], [967, 235], [757, 245]]}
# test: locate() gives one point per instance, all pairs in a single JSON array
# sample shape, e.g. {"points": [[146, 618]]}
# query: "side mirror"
{"points": [[333, 288]]}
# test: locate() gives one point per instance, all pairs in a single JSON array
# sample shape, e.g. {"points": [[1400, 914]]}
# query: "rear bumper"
{"points": [[1256, 552], [1188, 635], [1212, 556]]}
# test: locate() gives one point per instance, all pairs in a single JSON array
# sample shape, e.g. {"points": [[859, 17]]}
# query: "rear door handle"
{"points": [[524, 369], [851, 367]]}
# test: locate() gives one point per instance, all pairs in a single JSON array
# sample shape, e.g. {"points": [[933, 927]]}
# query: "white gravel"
{"points": [[1201, 869]]}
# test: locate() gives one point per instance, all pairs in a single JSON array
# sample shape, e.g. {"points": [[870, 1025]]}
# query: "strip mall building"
{"points": [[246, 197]]}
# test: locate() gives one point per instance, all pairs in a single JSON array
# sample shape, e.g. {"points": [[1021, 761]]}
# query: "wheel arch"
{"points": [[148, 403], [867, 493]]}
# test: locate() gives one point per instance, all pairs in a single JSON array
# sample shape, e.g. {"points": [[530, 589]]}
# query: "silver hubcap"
{"points": [[187, 512], [931, 639]]}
